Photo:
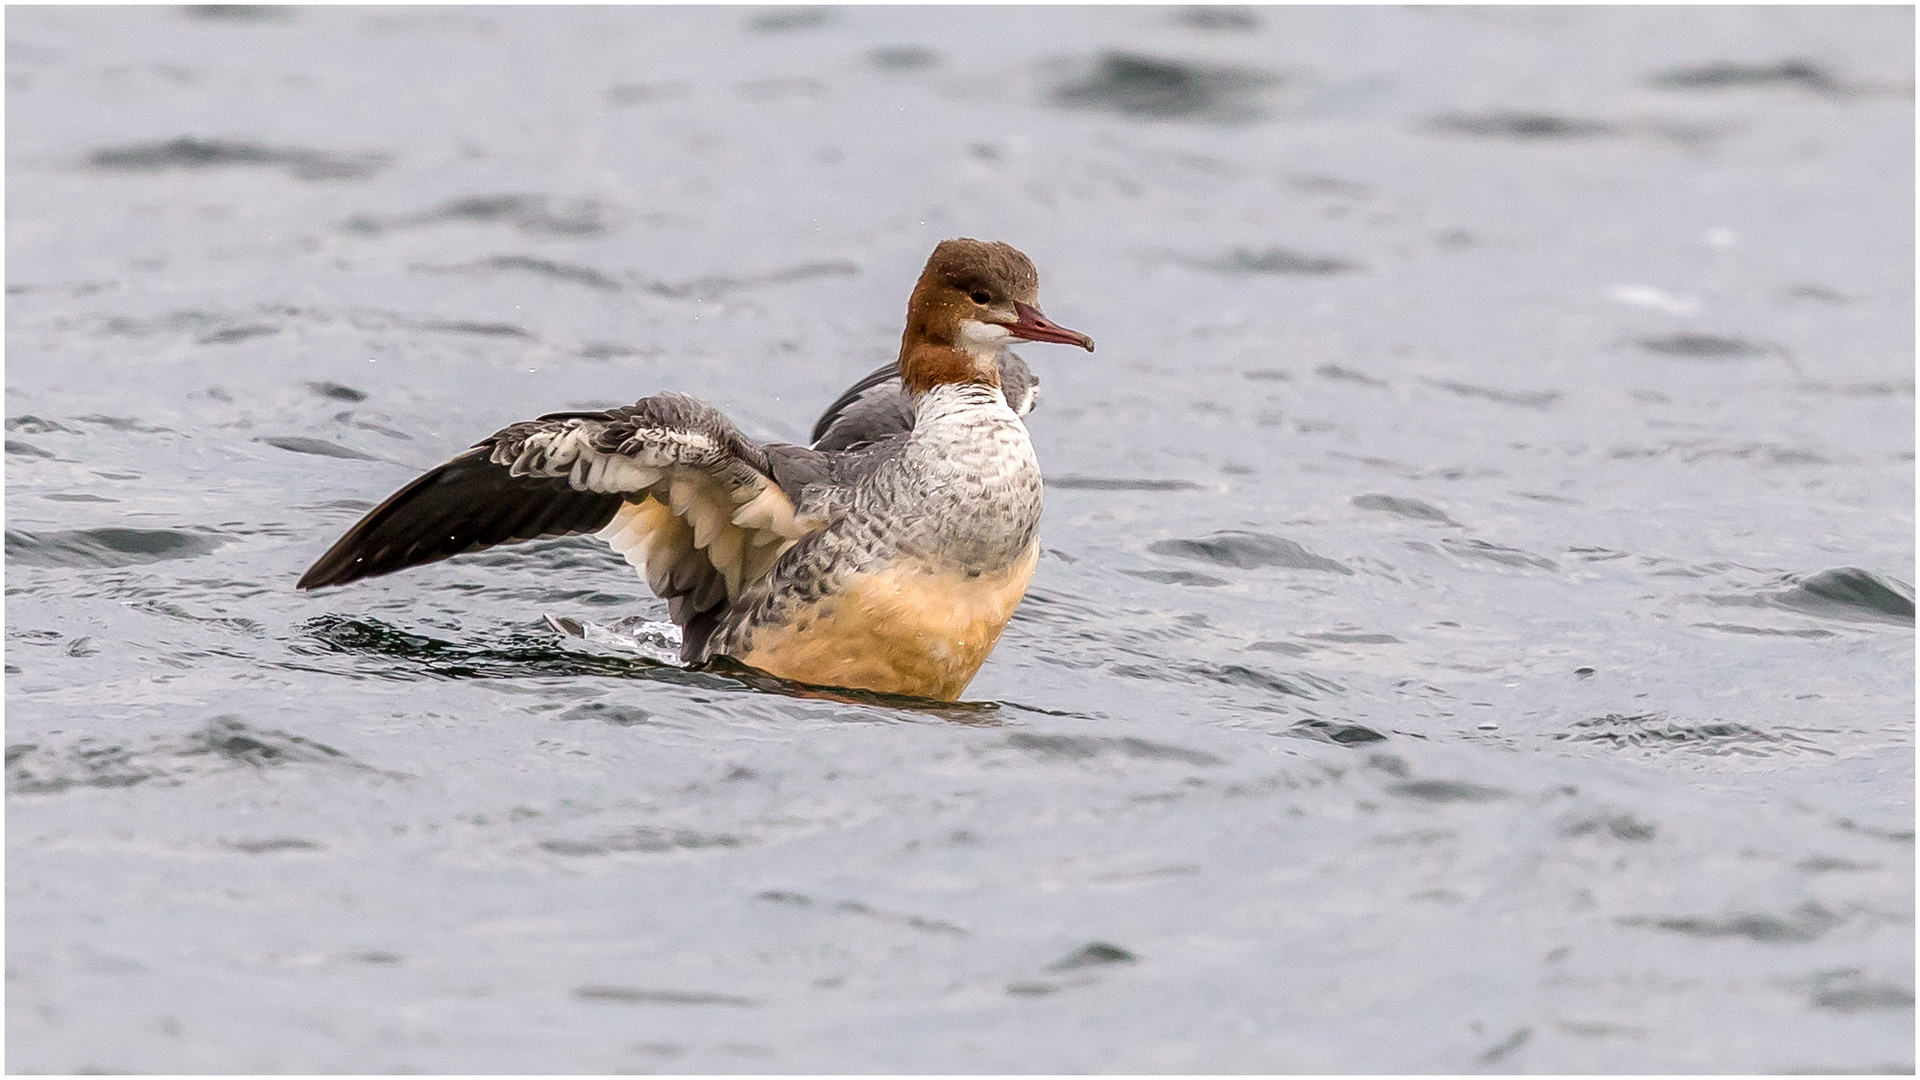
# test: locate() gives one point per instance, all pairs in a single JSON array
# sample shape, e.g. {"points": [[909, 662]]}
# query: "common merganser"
{"points": [[888, 556]]}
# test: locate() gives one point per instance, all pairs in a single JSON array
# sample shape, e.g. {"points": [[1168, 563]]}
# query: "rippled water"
{"points": [[1475, 630]]}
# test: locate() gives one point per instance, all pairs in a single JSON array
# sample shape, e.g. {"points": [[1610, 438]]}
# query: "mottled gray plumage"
{"points": [[960, 490]]}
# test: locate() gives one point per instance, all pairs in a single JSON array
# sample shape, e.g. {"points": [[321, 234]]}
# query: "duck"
{"points": [[886, 556]]}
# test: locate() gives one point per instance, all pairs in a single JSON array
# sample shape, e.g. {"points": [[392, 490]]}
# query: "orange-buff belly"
{"points": [[908, 629]]}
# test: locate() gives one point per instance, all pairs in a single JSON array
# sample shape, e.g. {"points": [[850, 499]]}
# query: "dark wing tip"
{"points": [[321, 574], [465, 505]]}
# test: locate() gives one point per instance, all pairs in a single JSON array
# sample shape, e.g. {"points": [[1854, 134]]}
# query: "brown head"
{"points": [[973, 298]]}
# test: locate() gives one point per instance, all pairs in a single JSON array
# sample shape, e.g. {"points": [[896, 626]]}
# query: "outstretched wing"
{"points": [[668, 482], [465, 505], [877, 406]]}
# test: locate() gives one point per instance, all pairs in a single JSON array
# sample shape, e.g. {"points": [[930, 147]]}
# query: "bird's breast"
{"points": [[969, 489]]}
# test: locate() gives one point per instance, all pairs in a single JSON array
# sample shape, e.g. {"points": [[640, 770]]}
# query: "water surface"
{"points": [[1475, 630]]}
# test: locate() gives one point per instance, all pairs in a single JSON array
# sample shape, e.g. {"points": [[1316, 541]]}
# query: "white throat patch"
{"points": [[983, 338]]}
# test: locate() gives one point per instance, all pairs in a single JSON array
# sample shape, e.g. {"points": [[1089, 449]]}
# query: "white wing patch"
{"points": [[698, 521], [1028, 397]]}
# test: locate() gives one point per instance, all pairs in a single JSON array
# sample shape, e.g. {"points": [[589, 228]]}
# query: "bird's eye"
{"points": [[980, 297]]}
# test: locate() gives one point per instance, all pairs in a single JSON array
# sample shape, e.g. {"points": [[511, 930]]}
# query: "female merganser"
{"points": [[888, 556]]}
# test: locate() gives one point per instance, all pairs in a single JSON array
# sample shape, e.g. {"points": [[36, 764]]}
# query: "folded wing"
{"points": [[876, 406], [667, 482]]}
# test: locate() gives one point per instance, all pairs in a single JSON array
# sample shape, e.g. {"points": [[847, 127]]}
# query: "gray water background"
{"points": [[1475, 630]]}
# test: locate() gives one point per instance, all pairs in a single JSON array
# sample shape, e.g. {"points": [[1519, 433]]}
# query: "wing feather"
{"points": [[467, 504], [668, 483]]}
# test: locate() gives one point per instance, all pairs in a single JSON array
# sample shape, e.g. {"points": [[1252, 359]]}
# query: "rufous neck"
{"points": [[926, 365]]}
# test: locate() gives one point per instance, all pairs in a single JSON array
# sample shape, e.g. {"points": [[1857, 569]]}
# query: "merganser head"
{"points": [[973, 298]]}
